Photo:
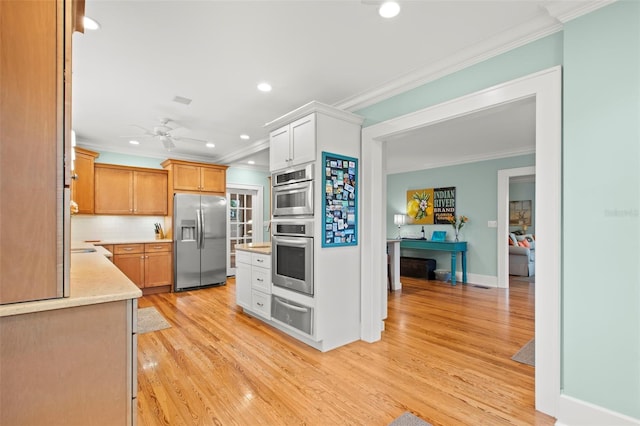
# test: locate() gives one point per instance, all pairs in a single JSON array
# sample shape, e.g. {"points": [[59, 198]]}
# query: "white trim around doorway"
{"points": [[546, 87]]}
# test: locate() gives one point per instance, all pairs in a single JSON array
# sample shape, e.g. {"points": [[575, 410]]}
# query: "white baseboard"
{"points": [[574, 412], [483, 280]]}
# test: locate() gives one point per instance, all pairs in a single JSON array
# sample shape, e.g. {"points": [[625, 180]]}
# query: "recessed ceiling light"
{"points": [[90, 24], [245, 137], [251, 162], [134, 142], [264, 87], [389, 9], [211, 145]]}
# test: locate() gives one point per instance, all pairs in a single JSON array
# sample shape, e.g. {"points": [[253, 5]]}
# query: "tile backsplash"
{"points": [[87, 227]]}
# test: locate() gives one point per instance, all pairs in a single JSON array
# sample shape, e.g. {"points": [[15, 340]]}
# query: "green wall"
{"points": [[536, 56], [476, 197], [601, 192], [129, 160]]}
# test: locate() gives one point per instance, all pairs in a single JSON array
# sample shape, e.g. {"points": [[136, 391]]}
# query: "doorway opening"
{"points": [[244, 224], [546, 87]]}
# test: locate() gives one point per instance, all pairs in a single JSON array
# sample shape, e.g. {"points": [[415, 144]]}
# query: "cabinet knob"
{"points": [[128, 248], [259, 279], [260, 304]]}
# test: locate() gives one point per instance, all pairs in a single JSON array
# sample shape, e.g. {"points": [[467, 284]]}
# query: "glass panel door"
{"points": [[243, 207]]}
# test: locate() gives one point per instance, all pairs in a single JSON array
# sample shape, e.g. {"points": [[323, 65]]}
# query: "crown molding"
{"points": [[314, 106], [565, 12], [550, 21]]}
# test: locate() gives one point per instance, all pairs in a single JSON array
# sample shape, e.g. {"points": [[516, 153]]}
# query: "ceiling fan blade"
{"points": [[137, 136], [180, 138], [146, 131]]}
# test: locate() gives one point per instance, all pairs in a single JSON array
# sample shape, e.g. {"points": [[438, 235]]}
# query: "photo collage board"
{"points": [[340, 202]]}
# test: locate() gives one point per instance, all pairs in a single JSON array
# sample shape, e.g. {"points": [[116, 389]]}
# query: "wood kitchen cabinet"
{"points": [[148, 265], [35, 106], [71, 366], [186, 176], [82, 183], [293, 144], [123, 190]]}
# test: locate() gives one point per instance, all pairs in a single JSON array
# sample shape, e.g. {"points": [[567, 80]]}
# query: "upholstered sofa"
{"points": [[522, 259]]}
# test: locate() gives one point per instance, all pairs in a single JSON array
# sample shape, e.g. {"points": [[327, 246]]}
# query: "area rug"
{"points": [[149, 319], [408, 419], [527, 355]]}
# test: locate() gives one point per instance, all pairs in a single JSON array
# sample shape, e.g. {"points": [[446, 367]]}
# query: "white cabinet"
{"points": [[293, 144], [253, 282], [243, 279]]}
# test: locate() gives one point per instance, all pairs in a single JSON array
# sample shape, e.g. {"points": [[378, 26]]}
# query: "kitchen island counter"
{"points": [[262, 248], [93, 279]]}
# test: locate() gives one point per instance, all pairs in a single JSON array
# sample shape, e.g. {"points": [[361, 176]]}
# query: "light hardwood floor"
{"points": [[445, 356]]}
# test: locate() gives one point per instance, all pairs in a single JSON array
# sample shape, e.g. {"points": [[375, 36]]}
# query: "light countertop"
{"points": [[93, 279], [263, 248], [127, 241]]}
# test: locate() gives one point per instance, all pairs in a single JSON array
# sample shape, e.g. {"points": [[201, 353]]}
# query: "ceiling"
{"points": [[341, 53]]}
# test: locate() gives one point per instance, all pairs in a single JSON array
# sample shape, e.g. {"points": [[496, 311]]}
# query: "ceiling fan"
{"points": [[163, 132]]}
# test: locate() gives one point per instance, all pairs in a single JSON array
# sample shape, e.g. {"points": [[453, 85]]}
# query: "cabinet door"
{"points": [[158, 269], [279, 148], [213, 180], [186, 177], [82, 186], [303, 140], [114, 191], [150, 193], [243, 285], [30, 151], [132, 265]]}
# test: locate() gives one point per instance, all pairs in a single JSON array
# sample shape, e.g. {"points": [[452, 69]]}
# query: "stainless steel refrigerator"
{"points": [[199, 241]]}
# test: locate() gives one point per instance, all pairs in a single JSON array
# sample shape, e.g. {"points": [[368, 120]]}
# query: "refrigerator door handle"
{"points": [[202, 239], [198, 229]]}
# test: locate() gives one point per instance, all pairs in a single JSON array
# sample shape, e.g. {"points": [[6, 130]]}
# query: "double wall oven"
{"points": [[292, 245]]}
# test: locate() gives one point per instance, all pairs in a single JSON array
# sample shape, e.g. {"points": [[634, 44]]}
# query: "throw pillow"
{"points": [[521, 243], [510, 241], [513, 238], [525, 243]]}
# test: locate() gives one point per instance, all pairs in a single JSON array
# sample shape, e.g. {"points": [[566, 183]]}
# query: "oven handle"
{"points": [[292, 307], [285, 189], [291, 241]]}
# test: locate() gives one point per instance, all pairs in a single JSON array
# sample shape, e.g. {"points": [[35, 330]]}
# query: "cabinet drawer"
{"points": [[243, 257], [128, 248], [261, 304], [156, 247], [261, 260], [261, 280]]}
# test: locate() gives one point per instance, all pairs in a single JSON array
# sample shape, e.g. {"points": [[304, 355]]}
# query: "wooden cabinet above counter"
{"points": [[187, 176], [123, 190], [82, 183]]}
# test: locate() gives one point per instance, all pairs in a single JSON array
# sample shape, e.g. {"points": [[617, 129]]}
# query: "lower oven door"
{"points": [[292, 263], [292, 314]]}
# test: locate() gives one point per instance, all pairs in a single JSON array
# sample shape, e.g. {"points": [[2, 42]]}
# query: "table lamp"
{"points": [[399, 219]]}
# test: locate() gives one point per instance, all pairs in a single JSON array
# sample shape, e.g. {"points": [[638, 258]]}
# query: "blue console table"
{"points": [[452, 247]]}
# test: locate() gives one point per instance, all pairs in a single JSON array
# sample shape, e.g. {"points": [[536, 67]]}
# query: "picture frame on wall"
{"points": [[520, 213]]}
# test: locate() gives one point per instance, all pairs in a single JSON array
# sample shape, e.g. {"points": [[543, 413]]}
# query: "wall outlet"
{"points": [[492, 224]]}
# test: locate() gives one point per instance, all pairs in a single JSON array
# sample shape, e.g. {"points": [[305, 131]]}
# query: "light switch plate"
{"points": [[492, 224]]}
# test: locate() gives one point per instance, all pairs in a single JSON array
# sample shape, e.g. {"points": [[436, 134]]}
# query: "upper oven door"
{"points": [[295, 199]]}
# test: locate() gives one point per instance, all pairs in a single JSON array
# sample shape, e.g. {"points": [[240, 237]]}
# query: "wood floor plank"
{"points": [[445, 355]]}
